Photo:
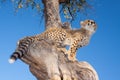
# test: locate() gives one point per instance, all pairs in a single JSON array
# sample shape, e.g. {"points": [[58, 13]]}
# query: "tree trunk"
{"points": [[51, 11], [46, 62]]}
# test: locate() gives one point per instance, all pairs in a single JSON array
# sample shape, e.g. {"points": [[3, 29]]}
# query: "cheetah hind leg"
{"points": [[67, 54], [64, 50], [70, 55]]}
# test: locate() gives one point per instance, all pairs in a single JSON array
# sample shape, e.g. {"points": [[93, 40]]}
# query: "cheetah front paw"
{"points": [[71, 57]]}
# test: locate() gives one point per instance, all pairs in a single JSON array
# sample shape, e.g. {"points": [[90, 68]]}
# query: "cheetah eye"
{"points": [[92, 22]]}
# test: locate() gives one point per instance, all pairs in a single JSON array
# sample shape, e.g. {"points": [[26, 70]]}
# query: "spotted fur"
{"points": [[59, 37], [81, 37]]}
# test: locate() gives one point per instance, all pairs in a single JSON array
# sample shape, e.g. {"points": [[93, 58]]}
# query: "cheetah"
{"points": [[59, 37]]}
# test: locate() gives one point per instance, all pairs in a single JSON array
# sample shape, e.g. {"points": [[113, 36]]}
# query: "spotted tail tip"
{"points": [[11, 61]]}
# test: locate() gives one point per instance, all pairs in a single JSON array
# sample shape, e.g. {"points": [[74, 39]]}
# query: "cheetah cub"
{"points": [[59, 37], [80, 37]]}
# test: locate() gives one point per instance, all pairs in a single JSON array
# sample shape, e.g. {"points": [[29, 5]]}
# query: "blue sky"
{"points": [[103, 52]]}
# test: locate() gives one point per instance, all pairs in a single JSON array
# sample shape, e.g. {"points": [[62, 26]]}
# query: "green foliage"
{"points": [[70, 8], [19, 4]]}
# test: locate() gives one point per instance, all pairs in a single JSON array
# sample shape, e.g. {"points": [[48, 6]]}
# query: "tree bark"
{"points": [[51, 11], [46, 62]]}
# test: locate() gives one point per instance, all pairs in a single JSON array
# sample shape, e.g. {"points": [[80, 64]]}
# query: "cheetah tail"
{"points": [[14, 57]]}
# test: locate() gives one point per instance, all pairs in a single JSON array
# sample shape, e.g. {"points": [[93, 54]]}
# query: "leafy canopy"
{"points": [[69, 8]]}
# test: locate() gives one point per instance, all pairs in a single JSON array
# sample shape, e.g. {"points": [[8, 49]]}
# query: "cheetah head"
{"points": [[89, 25]]}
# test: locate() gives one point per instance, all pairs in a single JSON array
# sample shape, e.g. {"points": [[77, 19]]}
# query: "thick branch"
{"points": [[52, 17], [49, 63]]}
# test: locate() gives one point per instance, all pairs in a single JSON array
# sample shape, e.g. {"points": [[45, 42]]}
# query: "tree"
{"points": [[45, 61]]}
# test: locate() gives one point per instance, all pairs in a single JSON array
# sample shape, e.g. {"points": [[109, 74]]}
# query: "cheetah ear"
{"points": [[81, 22]]}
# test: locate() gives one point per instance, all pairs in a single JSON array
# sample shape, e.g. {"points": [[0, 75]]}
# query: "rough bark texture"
{"points": [[46, 62], [52, 17]]}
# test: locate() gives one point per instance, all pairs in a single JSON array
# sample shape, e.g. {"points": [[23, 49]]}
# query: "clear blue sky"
{"points": [[103, 52]]}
